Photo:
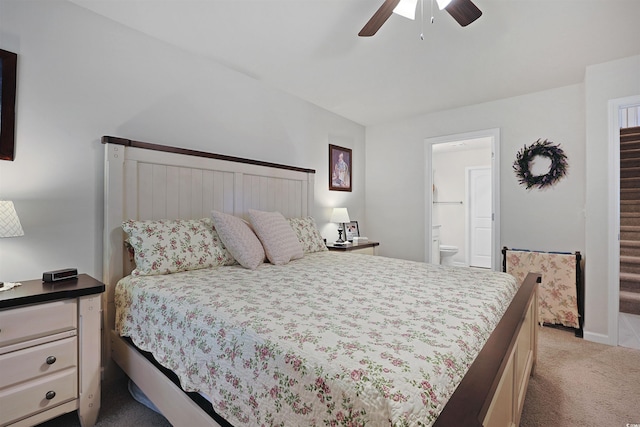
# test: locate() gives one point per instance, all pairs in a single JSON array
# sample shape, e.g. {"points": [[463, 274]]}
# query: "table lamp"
{"points": [[340, 216], [9, 222]]}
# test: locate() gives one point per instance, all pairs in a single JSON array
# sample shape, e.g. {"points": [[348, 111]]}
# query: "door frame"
{"points": [[494, 134], [615, 105]]}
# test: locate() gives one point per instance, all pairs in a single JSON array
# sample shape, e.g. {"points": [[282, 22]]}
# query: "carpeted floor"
{"points": [[581, 383], [576, 383]]}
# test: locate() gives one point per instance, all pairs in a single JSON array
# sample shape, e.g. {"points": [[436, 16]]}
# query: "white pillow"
{"points": [[173, 245], [279, 241], [239, 239]]}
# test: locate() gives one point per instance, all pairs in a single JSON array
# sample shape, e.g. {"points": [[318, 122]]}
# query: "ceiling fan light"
{"points": [[443, 3], [407, 8]]}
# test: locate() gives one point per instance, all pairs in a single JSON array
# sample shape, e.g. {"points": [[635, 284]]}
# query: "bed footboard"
{"points": [[492, 392]]}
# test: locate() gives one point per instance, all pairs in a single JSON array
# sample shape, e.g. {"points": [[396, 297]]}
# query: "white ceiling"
{"points": [[310, 48]]}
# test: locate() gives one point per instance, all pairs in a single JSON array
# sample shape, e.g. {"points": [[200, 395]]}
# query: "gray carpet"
{"points": [[576, 383]]}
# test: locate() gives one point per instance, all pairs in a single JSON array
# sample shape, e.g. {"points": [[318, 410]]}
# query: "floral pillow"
{"points": [[171, 246], [308, 234]]}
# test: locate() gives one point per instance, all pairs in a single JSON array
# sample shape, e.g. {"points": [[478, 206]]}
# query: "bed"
{"points": [[285, 343]]}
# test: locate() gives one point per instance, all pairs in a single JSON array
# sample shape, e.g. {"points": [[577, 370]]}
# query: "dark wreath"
{"points": [[544, 148]]}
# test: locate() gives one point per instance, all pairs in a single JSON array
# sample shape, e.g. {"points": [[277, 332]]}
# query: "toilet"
{"points": [[446, 254]]}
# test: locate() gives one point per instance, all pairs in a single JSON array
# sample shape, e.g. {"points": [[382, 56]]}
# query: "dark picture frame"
{"points": [[340, 166], [351, 230], [8, 68]]}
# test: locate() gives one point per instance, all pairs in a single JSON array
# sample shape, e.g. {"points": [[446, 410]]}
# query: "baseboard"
{"points": [[599, 338]]}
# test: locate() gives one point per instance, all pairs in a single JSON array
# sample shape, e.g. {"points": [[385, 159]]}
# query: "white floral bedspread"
{"points": [[330, 339]]}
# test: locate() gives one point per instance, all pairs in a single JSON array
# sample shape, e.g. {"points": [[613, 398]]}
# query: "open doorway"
{"points": [[624, 206], [462, 218]]}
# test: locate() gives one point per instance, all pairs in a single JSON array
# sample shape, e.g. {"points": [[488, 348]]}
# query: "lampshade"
{"points": [[9, 222], [340, 215], [407, 8]]}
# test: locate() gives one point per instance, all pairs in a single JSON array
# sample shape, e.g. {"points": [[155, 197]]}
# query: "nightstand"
{"points": [[50, 347], [369, 248]]}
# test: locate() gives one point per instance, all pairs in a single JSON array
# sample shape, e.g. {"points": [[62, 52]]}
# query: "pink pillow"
{"points": [[279, 241], [239, 239]]}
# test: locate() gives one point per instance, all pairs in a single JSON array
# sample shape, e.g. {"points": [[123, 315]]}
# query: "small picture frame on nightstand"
{"points": [[351, 230]]}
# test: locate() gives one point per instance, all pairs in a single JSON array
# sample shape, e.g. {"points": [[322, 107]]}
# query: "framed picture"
{"points": [[352, 230], [8, 62], [340, 159]]}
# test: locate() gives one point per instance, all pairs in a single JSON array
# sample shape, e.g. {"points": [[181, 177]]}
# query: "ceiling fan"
{"points": [[463, 11]]}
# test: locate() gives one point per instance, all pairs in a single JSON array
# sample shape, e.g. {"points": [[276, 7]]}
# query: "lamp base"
{"points": [[8, 285]]}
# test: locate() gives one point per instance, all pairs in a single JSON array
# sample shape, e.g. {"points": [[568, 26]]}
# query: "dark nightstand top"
{"points": [[352, 246], [37, 291]]}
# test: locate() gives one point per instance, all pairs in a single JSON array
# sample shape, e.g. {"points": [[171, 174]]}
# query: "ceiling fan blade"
{"points": [[463, 11], [378, 18]]}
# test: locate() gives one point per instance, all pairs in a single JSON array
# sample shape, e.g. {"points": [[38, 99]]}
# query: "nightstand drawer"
{"points": [[50, 349], [365, 251], [22, 324], [32, 362], [38, 395]]}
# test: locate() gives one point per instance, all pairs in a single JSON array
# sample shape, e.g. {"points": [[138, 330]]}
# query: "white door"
{"points": [[479, 216]]}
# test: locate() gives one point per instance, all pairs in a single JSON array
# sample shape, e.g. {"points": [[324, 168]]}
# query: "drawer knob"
{"points": [[51, 360], [50, 395]]}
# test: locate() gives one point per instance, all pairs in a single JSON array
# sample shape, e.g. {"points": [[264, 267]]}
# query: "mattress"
{"points": [[330, 339]]}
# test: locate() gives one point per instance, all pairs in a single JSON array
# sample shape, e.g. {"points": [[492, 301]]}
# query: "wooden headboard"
{"points": [[150, 181]]}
